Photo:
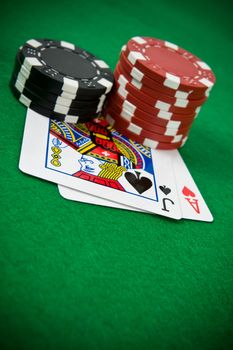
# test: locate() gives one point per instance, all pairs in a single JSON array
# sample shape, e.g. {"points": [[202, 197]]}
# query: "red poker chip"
{"points": [[160, 105], [123, 84], [148, 82], [142, 140], [161, 118], [139, 130], [124, 78], [125, 95], [147, 125], [169, 64]]}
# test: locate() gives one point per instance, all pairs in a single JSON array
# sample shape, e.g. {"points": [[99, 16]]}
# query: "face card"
{"points": [[95, 159], [192, 204]]}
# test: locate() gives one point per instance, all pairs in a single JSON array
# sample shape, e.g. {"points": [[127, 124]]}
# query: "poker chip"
{"points": [[158, 92], [169, 64], [152, 106], [152, 143], [117, 100], [133, 100], [153, 120], [50, 113], [65, 97], [64, 66], [172, 129], [61, 105], [158, 98], [24, 74], [138, 129], [57, 77], [153, 84]]}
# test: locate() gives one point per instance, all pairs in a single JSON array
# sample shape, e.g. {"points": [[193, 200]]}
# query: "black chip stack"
{"points": [[60, 80]]}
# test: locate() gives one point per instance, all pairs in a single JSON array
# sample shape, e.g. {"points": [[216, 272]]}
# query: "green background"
{"points": [[77, 276]]}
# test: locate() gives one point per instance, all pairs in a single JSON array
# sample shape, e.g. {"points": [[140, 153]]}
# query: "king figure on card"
{"points": [[106, 157], [97, 171]]}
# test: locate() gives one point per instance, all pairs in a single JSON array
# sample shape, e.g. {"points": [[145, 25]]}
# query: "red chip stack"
{"points": [[159, 89]]}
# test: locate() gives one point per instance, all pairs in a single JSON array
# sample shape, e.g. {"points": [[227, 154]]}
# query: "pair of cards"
{"points": [[93, 163]]}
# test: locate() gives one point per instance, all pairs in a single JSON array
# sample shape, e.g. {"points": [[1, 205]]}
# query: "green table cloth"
{"points": [[78, 276]]}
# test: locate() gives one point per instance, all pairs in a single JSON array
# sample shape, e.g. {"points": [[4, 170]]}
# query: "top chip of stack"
{"points": [[60, 80], [158, 93]]}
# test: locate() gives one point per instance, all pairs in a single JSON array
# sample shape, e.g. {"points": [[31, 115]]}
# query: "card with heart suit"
{"points": [[192, 204], [95, 159]]}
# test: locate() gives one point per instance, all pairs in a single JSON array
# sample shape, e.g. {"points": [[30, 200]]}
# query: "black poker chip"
{"points": [[30, 80], [60, 80], [44, 98], [81, 117], [33, 86], [60, 66]]}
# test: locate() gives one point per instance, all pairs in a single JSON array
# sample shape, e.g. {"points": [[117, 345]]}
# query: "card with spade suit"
{"points": [[192, 204], [95, 159]]}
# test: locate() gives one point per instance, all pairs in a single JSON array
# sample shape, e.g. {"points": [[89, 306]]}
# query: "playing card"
{"points": [[192, 203], [69, 193], [95, 159]]}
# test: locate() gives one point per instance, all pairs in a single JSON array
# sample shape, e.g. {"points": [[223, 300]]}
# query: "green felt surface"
{"points": [[77, 276]]}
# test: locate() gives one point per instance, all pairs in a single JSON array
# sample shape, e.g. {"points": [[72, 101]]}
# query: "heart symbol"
{"points": [[165, 189], [140, 184], [187, 192]]}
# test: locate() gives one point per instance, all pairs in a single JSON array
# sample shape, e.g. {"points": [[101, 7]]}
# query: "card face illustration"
{"points": [[95, 159]]}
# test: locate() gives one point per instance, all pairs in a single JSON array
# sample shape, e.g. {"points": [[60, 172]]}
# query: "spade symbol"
{"points": [[140, 184], [165, 189]]}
